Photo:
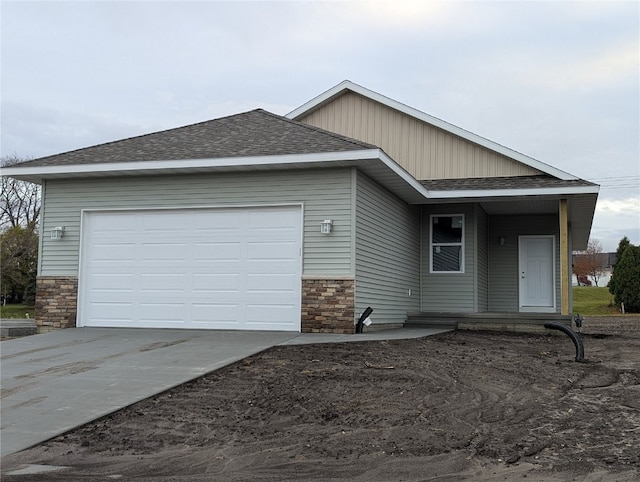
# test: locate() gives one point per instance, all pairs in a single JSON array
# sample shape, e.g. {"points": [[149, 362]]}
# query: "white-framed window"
{"points": [[447, 243]]}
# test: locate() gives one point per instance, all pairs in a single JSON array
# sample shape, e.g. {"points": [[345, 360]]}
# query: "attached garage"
{"points": [[205, 268]]}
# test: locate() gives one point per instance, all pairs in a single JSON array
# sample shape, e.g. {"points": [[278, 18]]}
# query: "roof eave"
{"points": [[374, 162], [504, 193]]}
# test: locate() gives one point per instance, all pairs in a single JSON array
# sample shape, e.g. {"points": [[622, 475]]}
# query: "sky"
{"points": [[556, 80]]}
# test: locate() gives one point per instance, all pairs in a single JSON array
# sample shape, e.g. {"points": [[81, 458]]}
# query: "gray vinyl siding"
{"points": [[324, 193], [503, 260], [387, 253], [449, 292], [482, 260]]}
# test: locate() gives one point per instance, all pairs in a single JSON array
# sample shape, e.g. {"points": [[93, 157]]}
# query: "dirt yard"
{"points": [[457, 406]]}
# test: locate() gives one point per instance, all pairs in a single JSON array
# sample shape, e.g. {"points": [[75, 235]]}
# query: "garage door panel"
{"points": [[163, 283], [164, 252], [217, 283], [227, 251], [274, 219], [163, 222], [102, 224], [270, 314], [112, 311], [272, 283], [218, 222], [215, 313], [162, 312], [113, 252], [272, 251], [112, 282]]}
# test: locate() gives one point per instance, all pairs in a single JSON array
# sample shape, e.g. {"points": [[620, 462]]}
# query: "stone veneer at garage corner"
{"points": [[328, 305], [56, 302]]}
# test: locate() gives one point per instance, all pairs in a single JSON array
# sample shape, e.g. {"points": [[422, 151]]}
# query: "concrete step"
{"points": [[14, 327]]}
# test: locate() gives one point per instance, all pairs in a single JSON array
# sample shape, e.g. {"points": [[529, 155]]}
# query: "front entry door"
{"points": [[537, 273]]}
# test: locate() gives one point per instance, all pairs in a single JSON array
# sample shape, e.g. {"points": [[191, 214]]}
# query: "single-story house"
{"points": [[262, 222]]}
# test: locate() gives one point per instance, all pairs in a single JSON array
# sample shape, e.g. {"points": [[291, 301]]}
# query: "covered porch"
{"points": [[513, 267]]}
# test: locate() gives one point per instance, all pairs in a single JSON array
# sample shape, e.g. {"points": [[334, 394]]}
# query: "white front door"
{"points": [[537, 273]]}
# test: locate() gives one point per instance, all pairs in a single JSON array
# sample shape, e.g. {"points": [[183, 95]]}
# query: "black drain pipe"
{"points": [[360, 324], [577, 341]]}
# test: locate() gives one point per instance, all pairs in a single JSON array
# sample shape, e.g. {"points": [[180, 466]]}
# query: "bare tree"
{"points": [[580, 269], [590, 262], [19, 200]]}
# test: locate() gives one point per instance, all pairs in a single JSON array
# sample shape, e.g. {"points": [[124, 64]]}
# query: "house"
{"points": [[603, 262], [257, 221]]}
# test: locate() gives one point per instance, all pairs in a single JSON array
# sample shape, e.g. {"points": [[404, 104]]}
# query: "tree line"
{"points": [[19, 218]]}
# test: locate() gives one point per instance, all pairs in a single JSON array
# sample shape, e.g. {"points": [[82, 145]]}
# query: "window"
{"points": [[447, 243]]}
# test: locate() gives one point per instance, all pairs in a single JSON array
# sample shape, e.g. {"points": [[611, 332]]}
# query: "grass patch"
{"points": [[17, 311], [589, 300]]}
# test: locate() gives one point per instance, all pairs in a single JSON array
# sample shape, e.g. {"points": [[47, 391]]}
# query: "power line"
{"points": [[617, 182]]}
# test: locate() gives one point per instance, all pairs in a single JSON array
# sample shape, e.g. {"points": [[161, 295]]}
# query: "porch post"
{"points": [[564, 257]]}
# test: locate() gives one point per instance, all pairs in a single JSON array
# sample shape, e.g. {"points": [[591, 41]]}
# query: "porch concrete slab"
{"points": [[55, 382]]}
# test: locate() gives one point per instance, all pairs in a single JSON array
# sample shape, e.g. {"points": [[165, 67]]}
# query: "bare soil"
{"points": [[456, 406]]}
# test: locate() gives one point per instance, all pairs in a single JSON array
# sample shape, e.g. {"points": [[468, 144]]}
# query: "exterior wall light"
{"points": [[325, 226], [502, 240], [57, 232]]}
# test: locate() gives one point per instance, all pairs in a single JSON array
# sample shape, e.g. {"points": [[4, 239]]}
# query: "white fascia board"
{"points": [[119, 167], [484, 193], [404, 175], [455, 130], [321, 99]]}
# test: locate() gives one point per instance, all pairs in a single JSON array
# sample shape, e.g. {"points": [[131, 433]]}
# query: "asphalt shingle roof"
{"points": [[253, 133], [514, 182]]}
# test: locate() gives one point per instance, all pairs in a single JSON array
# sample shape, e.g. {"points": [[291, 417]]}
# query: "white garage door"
{"points": [[228, 268]]}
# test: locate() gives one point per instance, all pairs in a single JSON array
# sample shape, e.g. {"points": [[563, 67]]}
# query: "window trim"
{"points": [[432, 244]]}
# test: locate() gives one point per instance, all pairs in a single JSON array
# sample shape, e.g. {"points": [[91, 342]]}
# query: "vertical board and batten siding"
{"points": [[481, 260], [503, 260], [325, 194], [427, 152], [449, 292], [387, 253]]}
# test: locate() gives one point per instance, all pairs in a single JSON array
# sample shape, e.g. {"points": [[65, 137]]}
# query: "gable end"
{"points": [[426, 151]]}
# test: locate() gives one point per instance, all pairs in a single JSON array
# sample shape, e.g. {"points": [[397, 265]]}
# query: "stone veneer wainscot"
{"points": [[328, 305], [56, 302]]}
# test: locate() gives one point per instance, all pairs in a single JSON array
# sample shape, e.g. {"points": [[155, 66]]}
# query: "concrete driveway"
{"points": [[55, 382]]}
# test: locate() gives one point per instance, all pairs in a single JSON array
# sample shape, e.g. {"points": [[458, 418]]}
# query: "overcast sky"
{"points": [[558, 81]]}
